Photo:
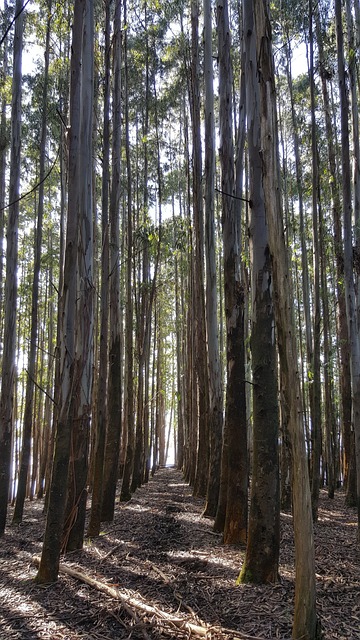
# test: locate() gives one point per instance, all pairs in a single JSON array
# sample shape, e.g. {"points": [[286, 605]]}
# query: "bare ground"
{"points": [[167, 575]]}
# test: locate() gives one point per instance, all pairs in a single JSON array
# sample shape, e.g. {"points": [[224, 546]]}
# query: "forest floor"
{"points": [[159, 571]]}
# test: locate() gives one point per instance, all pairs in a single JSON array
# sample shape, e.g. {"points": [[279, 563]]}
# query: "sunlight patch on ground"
{"points": [[136, 507], [287, 571], [331, 518], [193, 556], [189, 517]]}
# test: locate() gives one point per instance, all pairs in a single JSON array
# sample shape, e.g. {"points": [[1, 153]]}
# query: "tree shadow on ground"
{"points": [[161, 550]]}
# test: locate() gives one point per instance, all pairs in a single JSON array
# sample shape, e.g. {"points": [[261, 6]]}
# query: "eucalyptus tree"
{"points": [[10, 301], [326, 71], [102, 384], [349, 266], [129, 343], [262, 551], [305, 623], [113, 432], [315, 395], [84, 326], [4, 144], [232, 509], [154, 119], [214, 364], [200, 483], [75, 350], [30, 384], [352, 64]]}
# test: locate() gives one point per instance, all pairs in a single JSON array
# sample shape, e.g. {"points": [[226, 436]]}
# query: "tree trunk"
{"points": [[111, 460], [262, 551], [234, 456], [10, 303], [53, 539], [343, 336], [315, 383], [4, 144], [202, 464], [102, 382], [129, 348], [214, 370], [30, 383], [305, 624], [350, 295], [84, 328]]}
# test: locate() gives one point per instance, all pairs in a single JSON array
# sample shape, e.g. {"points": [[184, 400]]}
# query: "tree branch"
{"points": [[25, 195], [12, 21]]}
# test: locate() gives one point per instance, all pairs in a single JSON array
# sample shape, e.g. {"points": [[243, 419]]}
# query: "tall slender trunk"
{"points": [[129, 348], [305, 624], [305, 278], [330, 411], [202, 464], [30, 383], [48, 407], [111, 460], [211, 309], [10, 302], [53, 539], [350, 294], [353, 82], [102, 382], [4, 143], [315, 393], [234, 471], [262, 551], [345, 375]]}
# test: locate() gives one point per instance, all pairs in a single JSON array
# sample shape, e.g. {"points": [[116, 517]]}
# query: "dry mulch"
{"points": [[174, 577]]}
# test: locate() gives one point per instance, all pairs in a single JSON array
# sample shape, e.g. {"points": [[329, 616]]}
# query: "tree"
{"points": [[30, 383], [305, 622], [213, 355], [10, 303], [315, 394], [262, 551], [102, 385], [202, 464], [232, 507], [345, 378], [129, 346], [113, 433], [84, 321], [349, 266], [70, 376]]}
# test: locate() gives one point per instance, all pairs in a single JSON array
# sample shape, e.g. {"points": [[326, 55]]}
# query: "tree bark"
{"points": [[202, 463], [262, 551], [30, 383], [10, 302], [213, 355], [111, 460], [305, 623], [315, 382], [234, 455], [350, 295], [129, 347], [53, 538]]}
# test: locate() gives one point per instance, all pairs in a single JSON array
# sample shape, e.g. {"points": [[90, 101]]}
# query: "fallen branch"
{"points": [[131, 603]]}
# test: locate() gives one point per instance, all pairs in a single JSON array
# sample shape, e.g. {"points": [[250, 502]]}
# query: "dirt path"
{"points": [[160, 551]]}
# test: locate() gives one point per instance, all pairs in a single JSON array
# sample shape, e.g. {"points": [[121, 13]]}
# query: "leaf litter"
{"points": [[159, 571]]}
